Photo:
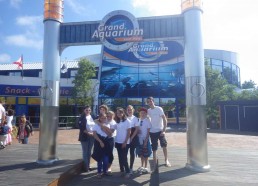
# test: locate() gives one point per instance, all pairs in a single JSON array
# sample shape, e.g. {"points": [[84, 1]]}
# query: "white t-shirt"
{"points": [[9, 122], [144, 124], [156, 119], [90, 123], [99, 131], [112, 124], [2, 111], [133, 121], [121, 129]]}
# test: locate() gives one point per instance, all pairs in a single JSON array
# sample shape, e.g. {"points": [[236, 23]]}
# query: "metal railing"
{"points": [[65, 122]]}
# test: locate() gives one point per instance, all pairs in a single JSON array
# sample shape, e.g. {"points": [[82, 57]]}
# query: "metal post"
{"points": [[49, 108], [197, 158]]}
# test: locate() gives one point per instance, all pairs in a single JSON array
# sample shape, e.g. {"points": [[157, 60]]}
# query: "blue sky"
{"points": [[227, 25]]}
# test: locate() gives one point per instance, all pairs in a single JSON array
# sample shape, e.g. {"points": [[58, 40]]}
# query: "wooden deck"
{"points": [[233, 163]]}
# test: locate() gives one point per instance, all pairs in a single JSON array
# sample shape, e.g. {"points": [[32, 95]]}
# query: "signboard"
{"points": [[16, 90]]}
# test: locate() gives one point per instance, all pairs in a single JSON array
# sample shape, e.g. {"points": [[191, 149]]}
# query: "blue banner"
{"points": [[17, 90]]}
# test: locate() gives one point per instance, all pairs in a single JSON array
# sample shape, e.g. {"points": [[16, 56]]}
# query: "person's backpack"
{"points": [[29, 125]]}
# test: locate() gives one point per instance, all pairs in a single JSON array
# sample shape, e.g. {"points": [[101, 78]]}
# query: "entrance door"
{"points": [[232, 117], [33, 114]]}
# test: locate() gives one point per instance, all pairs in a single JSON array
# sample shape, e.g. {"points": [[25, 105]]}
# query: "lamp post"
{"points": [[197, 158], [49, 108]]}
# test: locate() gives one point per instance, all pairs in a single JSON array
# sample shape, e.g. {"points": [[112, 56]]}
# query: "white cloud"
{"points": [[33, 33], [15, 3], [156, 8], [24, 41], [28, 20], [76, 7], [4, 58]]}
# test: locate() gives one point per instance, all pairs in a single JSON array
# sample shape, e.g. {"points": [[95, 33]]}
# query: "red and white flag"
{"points": [[19, 62]]}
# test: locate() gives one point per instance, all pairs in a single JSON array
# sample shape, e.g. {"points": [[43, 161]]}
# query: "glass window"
{"points": [[215, 67], [21, 100], [227, 72], [216, 62], [156, 101], [134, 101], [167, 76], [14, 73], [40, 74], [226, 64], [148, 77], [10, 100], [167, 101], [34, 101], [71, 101], [73, 73], [208, 61], [149, 69], [63, 101]]}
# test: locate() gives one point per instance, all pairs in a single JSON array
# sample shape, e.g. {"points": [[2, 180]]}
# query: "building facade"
{"points": [[120, 82]]}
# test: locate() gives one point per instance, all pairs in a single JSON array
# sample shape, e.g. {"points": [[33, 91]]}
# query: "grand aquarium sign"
{"points": [[15, 90], [118, 30]]}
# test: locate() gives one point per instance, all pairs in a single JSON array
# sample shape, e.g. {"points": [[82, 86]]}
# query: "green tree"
{"points": [[248, 95], [248, 84], [82, 90], [217, 89]]}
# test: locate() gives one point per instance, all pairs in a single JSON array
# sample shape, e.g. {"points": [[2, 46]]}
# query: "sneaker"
{"points": [[131, 171], [145, 170], [140, 169], [167, 164], [122, 174], [127, 176], [99, 175], [107, 174]]}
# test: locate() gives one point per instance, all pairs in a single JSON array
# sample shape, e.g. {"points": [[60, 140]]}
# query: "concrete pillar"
{"points": [[197, 158], [49, 108]]}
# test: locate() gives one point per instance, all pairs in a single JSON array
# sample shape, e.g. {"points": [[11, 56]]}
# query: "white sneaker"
{"points": [[167, 164], [140, 169], [145, 170]]}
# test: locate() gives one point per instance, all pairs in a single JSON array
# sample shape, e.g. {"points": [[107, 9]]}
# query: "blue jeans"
{"points": [[102, 164], [86, 151], [25, 140]]}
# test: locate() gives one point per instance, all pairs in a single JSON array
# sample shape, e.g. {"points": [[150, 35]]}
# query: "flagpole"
{"points": [[22, 65]]}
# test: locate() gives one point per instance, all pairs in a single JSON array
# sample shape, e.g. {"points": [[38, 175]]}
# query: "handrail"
{"points": [[66, 122]]}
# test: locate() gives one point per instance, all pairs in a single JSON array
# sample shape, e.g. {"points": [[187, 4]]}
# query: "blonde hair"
{"points": [[130, 106], [111, 112]]}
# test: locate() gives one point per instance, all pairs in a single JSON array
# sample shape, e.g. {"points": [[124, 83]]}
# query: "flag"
{"points": [[19, 62]]}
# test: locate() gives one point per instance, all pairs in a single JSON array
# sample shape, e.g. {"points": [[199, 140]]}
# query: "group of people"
{"points": [[125, 132], [5, 126], [25, 128]]}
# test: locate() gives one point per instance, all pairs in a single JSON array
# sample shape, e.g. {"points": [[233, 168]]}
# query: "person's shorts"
{"points": [[144, 151], [154, 140]]}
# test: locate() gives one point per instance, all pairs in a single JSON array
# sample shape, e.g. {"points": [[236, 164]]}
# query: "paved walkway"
{"points": [[233, 159]]}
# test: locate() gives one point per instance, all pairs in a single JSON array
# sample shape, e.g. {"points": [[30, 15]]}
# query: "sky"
{"points": [[227, 25]]}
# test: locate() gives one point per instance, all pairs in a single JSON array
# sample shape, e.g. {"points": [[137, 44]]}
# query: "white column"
{"points": [[49, 108], [197, 158]]}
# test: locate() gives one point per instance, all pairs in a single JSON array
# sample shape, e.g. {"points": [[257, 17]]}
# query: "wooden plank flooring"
{"points": [[233, 160]]}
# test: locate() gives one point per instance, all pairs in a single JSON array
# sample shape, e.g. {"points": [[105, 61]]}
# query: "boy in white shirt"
{"points": [[158, 130], [144, 148]]}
